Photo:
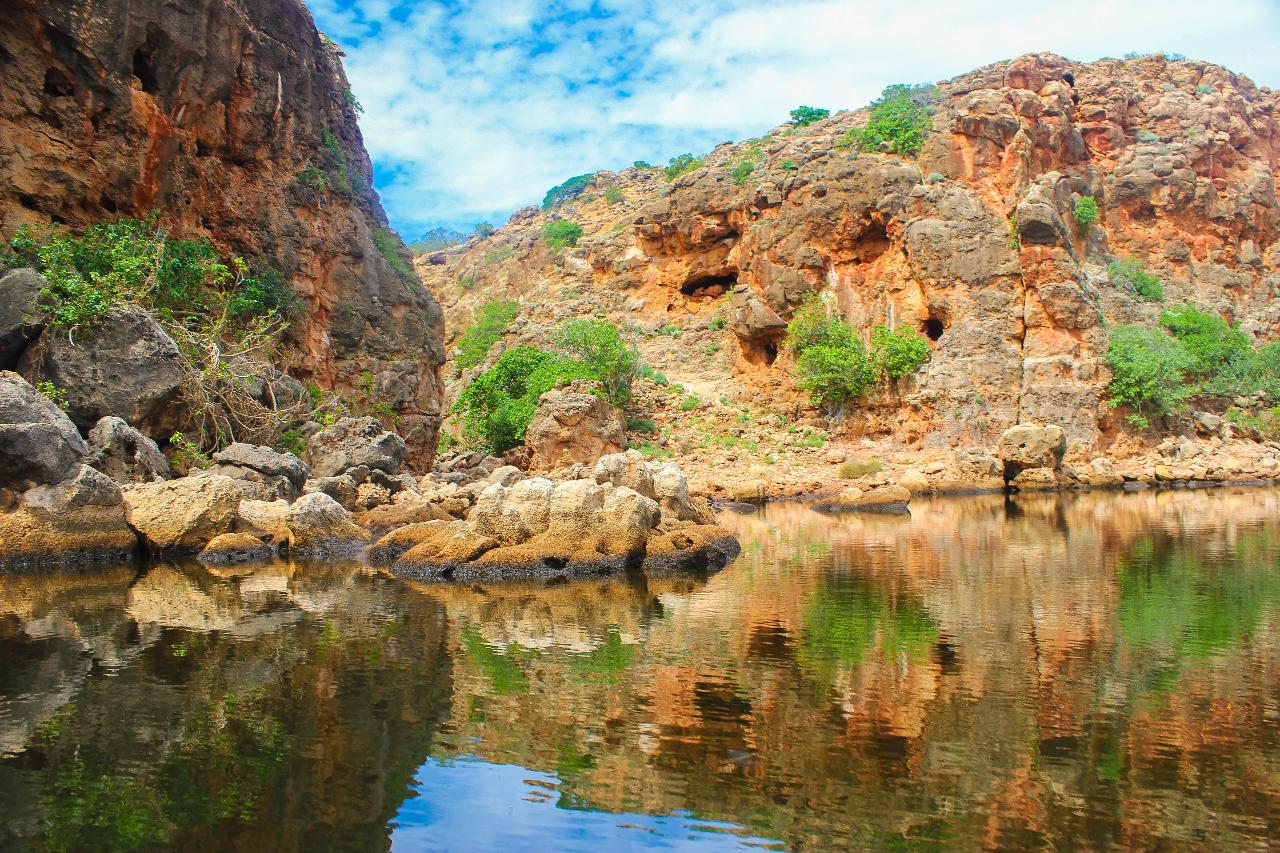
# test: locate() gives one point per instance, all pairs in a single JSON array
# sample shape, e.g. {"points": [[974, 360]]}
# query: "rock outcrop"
{"points": [[264, 474], [572, 424], [1031, 446], [38, 443], [319, 527], [124, 454], [236, 122], [77, 521], [181, 516]]}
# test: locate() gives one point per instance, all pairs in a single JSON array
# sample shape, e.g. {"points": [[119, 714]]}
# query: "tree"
{"points": [[803, 116], [598, 345], [1148, 372], [561, 193], [1086, 211], [899, 118]]}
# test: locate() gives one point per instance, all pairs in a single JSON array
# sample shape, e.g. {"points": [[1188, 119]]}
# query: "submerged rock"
{"points": [[80, 520], [229, 549]]}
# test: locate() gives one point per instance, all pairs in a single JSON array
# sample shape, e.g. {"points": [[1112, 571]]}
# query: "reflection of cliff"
{"points": [[1024, 671], [238, 712]]}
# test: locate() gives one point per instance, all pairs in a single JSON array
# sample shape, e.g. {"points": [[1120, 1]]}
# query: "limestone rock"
{"points": [[266, 520], [230, 549], [436, 543], [124, 365], [888, 498], [124, 454], [264, 474], [320, 527], [183, 515], [1031, 446], [20, 313], [573, 425], [341, 488], [915, 482], [381, 519], [352, 443], [80, 520], [38, 443], [1035, 478]]}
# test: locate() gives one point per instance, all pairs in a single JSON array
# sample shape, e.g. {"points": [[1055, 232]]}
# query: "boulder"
{"points": [[320, 527], [124, 365], [267, 520], [381, 519], [512, 514], [183, 515], [341, 488], [915, 482], [124, 454], [264, 474], [351, 443], [887, 498], [20, 322], [1035, 478], [436, 542], [571, 425], [38, 443], [80, 520], [976, 464], [229, 549], [1030, 446]]}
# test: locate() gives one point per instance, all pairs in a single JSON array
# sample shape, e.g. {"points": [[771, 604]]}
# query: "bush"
{"points": [[804, 116], [640, 164], [899, 353], [1086, 211], [483, 229], [897, 117], [599, 346], [388, 245], [1132, 274], [480, 336], [436, 239], [834, 375], [613, 194], [499, 404], [1214, 345], [811, 326], [855, 468], [644, 425], [688, 404], [561, 234], [1149, 368], [682, 163], [570, 189], [741, 171], [263, 294]]}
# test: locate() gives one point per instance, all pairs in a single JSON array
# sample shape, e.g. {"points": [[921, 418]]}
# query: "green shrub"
{"points": [[690, 403], [1149, 370], [466, 282], [266, 293], [640, 164], [811, 326], [570, 189], [388, 245], [834, 375], [654, 376], [561, 234], [1214, 345], [804, 116], [1086, 211], [645, 425], [898, 353], [498, 254], [717, 324], [55, 395], [682, 163], [789, 165], [481, 335], [897, 117], [600, 347], [436, 239], [855, 468], [1132, 274], [292, 441], [613, 194], [499, 404], [483, 229], [741, 171]]}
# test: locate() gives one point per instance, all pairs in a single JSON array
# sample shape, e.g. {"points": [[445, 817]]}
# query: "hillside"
{"points": [[974, 241]]}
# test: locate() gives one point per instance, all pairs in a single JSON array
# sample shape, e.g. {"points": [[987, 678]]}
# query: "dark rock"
{"points": [[353, 442], [20, 322], [124, 454], [38, 443]]}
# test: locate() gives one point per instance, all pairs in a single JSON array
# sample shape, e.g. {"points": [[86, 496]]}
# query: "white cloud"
{"points": [[476, 107]]}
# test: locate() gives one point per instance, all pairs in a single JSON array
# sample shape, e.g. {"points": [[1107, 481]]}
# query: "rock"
{"points": [[1031, 446], [351, 443], [915, 482], [124, 365], [320, 527], [975, 463], [507, 475], [230, 549], [341, 488], [78, 521], [124, 454], [264, 460], [888, 498], [437, 543], [573, 425], [512, 514], [38, 442], [629, 469], [266, 520], [183, 515], [381, 519], [743, 491], [1035, 478], [20, 314], [1103, 473]]}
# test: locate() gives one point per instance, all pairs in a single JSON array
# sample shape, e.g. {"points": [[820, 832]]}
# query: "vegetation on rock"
{"points": [[803, 116], [898, 353], [1085, 212], [681, 164], [570, 189], [561, 234], [900, 117], [1132, 274], [480, 336]]}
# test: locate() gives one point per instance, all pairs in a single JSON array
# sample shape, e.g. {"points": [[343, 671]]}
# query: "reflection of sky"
{"points": [[473, 805]]}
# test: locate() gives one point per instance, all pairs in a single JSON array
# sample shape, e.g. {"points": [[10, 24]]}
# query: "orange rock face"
{"points": [[973, 242], [233, 121]]}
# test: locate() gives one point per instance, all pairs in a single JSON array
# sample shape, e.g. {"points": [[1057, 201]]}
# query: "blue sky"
{"points": [[474, 108]]}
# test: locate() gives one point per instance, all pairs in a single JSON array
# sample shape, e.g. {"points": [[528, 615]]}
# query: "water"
{"points": [[1058, 672]]}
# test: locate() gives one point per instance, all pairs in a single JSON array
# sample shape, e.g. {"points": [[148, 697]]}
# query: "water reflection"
{"points": [[1040, 672]]}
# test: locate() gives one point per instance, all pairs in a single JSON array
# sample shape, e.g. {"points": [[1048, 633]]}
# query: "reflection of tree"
{"points": [[845, 621]]}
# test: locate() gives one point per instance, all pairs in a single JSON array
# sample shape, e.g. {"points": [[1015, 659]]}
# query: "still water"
{"points": [[1054, 672]]}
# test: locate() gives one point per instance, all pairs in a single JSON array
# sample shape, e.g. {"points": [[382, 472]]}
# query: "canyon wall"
{"points": [[233, 120]]}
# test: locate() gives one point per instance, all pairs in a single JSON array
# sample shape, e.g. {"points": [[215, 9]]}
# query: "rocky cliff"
{"points": [[234, 120], [972, 242]]}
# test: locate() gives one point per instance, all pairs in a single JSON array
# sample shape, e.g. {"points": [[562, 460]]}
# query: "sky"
{"points": [[474, 108]]}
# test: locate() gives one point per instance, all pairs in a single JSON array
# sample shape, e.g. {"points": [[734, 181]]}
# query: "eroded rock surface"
{"points": [[572, 424]]}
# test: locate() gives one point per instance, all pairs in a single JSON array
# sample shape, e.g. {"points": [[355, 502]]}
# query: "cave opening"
{"points": [[708, 287], [871, 243], [761, 350], [1070, 78], [144, 68], [57, 83], [933, 328]]}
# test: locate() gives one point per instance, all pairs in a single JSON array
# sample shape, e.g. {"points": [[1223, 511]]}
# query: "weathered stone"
{"points": [[381, 519], [914, 481], [1031, 446], [38, 443], [1035, 478], [264, 460], [573, 425], [124, 365], [80, 520], [183, 515], [341, 488], [124, 454], [230, 549], [351, 443], [267, 520], [320, 527], [20, 315], [888, 498]]}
